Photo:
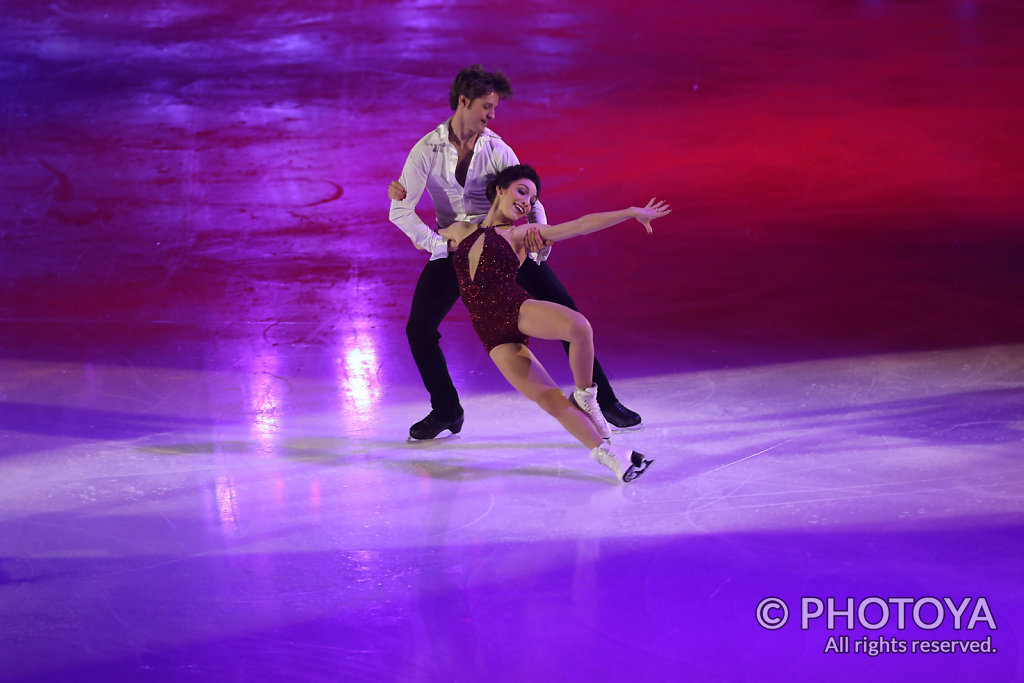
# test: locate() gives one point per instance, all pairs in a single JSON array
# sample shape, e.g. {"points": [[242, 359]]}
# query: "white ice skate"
{"points": [[586, 400], [625, 463]]}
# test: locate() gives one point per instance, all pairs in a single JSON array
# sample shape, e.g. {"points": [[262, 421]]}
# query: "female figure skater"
{"points": [[487, 257]]}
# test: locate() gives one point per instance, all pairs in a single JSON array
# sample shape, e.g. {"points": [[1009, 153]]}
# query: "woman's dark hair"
{"points": [[474, 82], [508, 176]]}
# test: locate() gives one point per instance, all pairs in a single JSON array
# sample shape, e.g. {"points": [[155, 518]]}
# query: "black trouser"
{"points": [[437, 290]]}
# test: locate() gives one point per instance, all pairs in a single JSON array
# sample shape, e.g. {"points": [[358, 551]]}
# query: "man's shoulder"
{"points": [[489, 137], [497, 149], [434, 140]]}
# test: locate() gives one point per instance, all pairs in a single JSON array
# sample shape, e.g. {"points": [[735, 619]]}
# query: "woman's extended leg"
{"points": [[528, 376], [524, 372], [547, 320]]}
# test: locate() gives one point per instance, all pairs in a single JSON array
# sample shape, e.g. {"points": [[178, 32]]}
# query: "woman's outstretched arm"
{"points": [[593, 222]]}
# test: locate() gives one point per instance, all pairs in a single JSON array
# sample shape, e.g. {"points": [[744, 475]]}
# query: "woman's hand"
{"points": [[396, 191], [654, 209]]}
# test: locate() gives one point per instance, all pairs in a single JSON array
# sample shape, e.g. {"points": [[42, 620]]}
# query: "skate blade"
{"points": [[449, 437], [635, 428], [635, 471]]}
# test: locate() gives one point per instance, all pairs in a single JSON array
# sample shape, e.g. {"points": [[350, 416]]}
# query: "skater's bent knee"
{"points": [[552, 401], [424, 333], [580, 329]]}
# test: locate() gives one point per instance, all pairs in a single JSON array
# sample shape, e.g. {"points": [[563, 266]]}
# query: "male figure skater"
{"points": [[453, 163]]}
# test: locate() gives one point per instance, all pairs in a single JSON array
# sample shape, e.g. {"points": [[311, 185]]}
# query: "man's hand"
{"points": [[534, 242], [396, 191]]}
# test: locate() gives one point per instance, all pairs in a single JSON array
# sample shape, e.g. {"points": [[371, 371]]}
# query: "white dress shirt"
{"points": [[431, 167]]}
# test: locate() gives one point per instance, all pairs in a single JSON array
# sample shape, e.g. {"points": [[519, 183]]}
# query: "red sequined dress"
{"points": [[492, 296]]}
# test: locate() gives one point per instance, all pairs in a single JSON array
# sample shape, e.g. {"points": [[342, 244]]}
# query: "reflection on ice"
{"points": [[357, 368]]}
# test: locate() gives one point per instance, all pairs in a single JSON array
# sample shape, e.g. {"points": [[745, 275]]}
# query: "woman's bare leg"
{"points": [[524, 372], [547, 320]]}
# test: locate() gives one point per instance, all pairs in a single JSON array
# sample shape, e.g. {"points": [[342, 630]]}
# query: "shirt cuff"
{"points": [[542, 255], [440, 249]]}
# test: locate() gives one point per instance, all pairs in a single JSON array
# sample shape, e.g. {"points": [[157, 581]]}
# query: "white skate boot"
{"points": [[586, 400], [625, 463]]}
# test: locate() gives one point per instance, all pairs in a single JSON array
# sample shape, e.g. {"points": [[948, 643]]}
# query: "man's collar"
{"points": [[442, 132]]}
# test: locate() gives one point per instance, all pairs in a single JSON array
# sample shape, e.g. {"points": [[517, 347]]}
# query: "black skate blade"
{"points": [[635, 471]]}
